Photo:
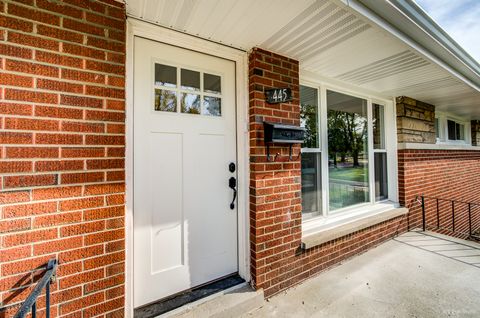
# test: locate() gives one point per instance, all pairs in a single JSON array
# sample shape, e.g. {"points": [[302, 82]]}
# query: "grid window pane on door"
{"points": [[380, 152], [187, 91], [311, 154]]}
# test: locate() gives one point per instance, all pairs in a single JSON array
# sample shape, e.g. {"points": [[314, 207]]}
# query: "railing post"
{"points": [[453, 216], [438, 216], [470, 219], [423, 214], [47, 301], [30, 304]]}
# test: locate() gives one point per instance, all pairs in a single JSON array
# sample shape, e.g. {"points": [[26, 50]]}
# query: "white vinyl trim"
{"points": [[150, 31]]}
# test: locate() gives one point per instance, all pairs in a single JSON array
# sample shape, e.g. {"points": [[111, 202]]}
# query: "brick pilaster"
{"points": [[275, 189]]}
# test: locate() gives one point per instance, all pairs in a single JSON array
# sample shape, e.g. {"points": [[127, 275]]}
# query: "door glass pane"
{"points": [[381, 186], [212, 106], [165, 75], [190, 79], [309, 116], [212, 83], [347, 150], [165, 100], [190, 103], [378, 127], [311, 195]]}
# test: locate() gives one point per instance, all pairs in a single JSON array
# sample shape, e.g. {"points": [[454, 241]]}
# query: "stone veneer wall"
{"points": [[415, 121], [475, 124]]}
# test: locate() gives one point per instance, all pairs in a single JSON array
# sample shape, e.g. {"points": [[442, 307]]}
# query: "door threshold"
{"points": [[169, 303]]}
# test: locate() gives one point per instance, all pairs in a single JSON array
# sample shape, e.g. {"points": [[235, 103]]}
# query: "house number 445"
{"points": [[278, 95]]}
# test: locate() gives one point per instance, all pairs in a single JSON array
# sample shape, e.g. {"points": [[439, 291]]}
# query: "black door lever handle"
{"points": [[232, 184]]}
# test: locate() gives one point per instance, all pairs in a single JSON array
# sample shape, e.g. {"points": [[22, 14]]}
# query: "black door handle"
{"points": [[232, 184]]}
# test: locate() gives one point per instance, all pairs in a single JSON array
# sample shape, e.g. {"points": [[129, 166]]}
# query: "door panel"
{"points": [[185, 233]]}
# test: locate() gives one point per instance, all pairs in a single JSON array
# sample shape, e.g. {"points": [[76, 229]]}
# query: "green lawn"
{"points": [[349, 174]]}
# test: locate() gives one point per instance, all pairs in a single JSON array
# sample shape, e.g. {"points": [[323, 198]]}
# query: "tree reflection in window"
{"points": [[347, 150], [165, 100]]}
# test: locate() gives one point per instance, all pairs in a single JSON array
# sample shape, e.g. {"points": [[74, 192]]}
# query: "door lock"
{"points": [[231, 167]]}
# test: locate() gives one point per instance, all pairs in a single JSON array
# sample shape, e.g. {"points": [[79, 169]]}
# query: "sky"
{"points": [[460, 19]]}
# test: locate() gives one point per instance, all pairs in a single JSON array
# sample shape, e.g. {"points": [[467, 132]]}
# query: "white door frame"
{"points": [[154, 32]]}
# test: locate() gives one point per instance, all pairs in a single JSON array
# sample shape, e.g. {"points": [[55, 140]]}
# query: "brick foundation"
{"points": [[62, 153], [448, 174], [277, 260]]}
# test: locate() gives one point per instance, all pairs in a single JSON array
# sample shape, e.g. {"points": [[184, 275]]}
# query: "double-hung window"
{"points": [[379, 152], [456, 131], [311, 153], [451, 130], [344, 154]]}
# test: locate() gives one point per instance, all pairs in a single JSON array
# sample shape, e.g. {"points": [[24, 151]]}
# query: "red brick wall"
{"points": [[448, 174], [277, 261], [62, 153]]}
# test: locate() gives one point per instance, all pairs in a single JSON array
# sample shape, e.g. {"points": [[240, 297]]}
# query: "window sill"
{"points": [[437, 146], [317, 232]]}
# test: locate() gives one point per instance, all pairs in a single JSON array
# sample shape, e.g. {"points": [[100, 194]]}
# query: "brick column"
{"points": [[62, 154], [415, 121], [275, 189]]}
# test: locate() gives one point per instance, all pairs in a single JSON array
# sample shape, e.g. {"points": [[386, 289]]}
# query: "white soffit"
{"points": [[327, 37]]}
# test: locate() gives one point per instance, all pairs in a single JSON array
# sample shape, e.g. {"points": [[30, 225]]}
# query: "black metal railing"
{"points": [[469, 225], [30, 304]]}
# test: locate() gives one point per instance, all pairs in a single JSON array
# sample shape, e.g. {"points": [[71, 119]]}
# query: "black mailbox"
{"points": [[279, 133]]}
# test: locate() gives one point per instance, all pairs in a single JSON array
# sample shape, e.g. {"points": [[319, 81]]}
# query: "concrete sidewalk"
{"points": [[415, 275]]}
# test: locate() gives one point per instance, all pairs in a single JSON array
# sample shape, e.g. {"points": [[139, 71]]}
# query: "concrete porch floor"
{"points": [[414, 275]]}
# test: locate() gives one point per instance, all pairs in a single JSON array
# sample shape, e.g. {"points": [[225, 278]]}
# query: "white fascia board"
{"points": [[393, 20]]}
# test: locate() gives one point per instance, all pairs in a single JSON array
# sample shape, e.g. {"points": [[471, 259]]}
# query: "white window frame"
{"points": [[443, 119], [380, 150], [346, 214]]}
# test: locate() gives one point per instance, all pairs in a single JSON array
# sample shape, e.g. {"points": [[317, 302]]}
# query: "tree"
{"points": [[308, 117], [346, 134]]}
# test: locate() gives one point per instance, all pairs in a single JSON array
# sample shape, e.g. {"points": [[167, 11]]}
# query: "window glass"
{"points": [[212, 106], [347, 150], [190, 103], [309, 116], [437, 128], [456, 131], [378, 124], [460, 132], [165, 100], [165, 75], [451, 130], [311, 184], [381, 185], [190, 79], [311, 156], [212, 83]]}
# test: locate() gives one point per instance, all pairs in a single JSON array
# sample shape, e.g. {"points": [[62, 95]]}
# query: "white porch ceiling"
{"points": [[328, 38]]}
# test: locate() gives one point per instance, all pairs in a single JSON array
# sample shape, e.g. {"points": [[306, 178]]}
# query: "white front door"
{"points": [[185, 231]]}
